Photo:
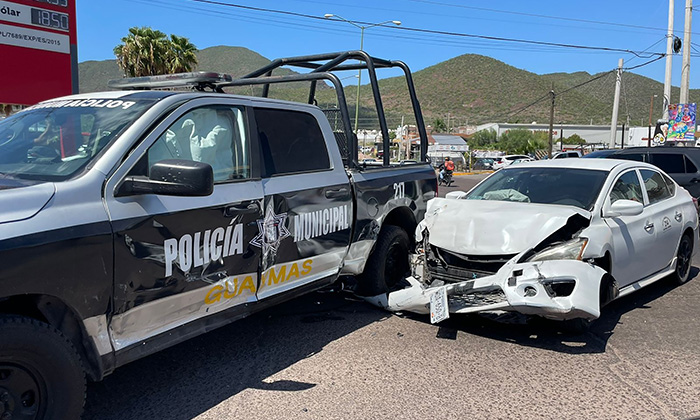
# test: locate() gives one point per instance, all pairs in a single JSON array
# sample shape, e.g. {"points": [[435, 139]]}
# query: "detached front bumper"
{"points": [[560, 290]]}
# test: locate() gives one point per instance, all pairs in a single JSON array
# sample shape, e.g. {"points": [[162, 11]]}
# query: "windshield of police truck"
{"points": [[54, 140]]}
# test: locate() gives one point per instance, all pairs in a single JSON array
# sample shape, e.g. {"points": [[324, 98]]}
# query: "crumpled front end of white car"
{"points": [[558, 289], [534, 267]]}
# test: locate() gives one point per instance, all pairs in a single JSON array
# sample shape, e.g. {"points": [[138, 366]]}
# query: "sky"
{"points": [[634, 29]]}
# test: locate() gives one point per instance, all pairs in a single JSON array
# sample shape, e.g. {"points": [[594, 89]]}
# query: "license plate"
{"points": [[439, 311]]}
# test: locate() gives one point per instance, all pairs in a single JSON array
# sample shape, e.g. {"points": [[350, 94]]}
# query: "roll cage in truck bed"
{"points": [[323, 67]]}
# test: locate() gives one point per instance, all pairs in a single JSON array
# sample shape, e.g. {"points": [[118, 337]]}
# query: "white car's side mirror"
{"points": [[455, 195], [625, 208]]}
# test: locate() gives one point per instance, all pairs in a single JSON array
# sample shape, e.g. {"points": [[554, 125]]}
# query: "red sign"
{"points": [[38, 44]]}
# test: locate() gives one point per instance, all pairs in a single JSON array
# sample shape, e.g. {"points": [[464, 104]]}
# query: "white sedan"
{"points": [[507, 160], [557, 238]]}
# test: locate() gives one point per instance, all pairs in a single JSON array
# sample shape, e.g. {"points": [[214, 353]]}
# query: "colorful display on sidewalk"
{"points": [[681, 122]]}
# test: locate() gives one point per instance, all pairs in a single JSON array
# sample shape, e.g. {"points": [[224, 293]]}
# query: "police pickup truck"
{"points": [[133, 220]]}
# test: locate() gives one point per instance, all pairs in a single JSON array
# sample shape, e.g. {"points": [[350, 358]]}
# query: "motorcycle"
{"points": [[445, 179]]}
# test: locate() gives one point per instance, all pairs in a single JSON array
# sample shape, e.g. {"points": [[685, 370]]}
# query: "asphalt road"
{"points": [[462, 183], [330, 356]]}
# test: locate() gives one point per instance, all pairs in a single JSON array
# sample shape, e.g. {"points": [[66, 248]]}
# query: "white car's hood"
{"points": [[484, 227]]}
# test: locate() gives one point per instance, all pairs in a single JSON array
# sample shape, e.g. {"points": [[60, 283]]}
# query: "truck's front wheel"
{"points": [[41, 376], [388, 264]]}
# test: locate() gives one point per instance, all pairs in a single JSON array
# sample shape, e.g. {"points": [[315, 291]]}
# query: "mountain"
{"points": [[471, 88], [481, 89], [93, 75], [236, 61]]}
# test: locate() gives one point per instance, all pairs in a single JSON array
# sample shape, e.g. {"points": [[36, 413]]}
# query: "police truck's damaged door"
{"points": [[305, 233], [182, 257]]}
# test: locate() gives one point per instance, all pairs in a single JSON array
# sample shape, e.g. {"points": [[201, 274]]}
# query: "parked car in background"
{"points": [[557, 239], [370, 161], [599, 154], [483, 163], [504, 161], [680, 163], [516, 161], [567, 154]]}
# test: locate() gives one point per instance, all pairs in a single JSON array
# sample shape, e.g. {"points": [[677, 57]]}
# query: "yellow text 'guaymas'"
{"points": [[235, 287]]}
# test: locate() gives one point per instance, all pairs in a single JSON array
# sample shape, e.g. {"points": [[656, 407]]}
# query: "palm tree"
{"points": [[182, 57], [144, 52]]}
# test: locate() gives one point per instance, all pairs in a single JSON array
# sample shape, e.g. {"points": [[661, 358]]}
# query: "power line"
{"points": [[510, 12], [519, 110], [614, 27], [644, 64], [437, 40], [430, 31], [586, 82], [648, 48], [525, 41]]}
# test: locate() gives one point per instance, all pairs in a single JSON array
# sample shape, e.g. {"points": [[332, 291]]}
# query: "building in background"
{"points": [[597, 136]]}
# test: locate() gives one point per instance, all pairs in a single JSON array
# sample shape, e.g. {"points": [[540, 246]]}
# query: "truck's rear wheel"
{"points": [[41, 376], [388, 264]]}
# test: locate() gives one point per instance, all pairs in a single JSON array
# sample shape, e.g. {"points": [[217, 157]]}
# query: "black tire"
{"points": [[684, 260], [41, 375], [387, 265]]}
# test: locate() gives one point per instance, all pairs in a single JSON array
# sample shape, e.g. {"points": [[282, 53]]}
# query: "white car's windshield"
{"points": [[565, 186], [54, 140]]}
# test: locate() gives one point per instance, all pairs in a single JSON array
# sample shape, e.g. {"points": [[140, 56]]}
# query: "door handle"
{"points": [[244, 207], [694, 181], [649, 226], [339, 193], [679, 216]]}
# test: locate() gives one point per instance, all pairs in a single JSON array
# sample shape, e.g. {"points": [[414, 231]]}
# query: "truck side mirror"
{"points": [[176, 177]]}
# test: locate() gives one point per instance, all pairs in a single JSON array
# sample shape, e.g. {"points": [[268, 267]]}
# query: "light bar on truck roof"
{"points": [[198, 80]]}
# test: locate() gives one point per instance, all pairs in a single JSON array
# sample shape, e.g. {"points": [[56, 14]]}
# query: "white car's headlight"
{"points": [[570, 250]]}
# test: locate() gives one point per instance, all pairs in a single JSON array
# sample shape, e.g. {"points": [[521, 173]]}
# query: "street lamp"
{"points": [[362, 39]]}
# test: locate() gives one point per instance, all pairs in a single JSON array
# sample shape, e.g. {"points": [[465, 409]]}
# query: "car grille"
{"points": [[452, 267], [474, 299]]}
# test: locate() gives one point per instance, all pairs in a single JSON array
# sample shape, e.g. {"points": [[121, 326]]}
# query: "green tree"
{"points": [[574, 139], [520, 141], [183, 57], [439, 125], [483, 138], [147, 52]]}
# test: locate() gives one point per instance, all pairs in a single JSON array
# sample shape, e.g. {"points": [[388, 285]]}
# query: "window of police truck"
{"points": [[54, 140], [563, 186]]}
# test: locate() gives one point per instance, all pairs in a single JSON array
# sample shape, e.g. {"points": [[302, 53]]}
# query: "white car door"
{"points": [[666, 218], [633, 237]]}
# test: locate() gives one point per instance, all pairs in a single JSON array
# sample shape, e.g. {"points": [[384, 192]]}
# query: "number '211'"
{"points": [[399, 190]]}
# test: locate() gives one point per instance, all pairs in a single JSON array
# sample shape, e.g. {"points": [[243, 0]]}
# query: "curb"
{"points": [[471, 173]]}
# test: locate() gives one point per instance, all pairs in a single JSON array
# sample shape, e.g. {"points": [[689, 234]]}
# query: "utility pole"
{"points": [[685, 69], [616, 104], [622, 137], [669, 60], [551, 121], [561, 137], [651, 106]]}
